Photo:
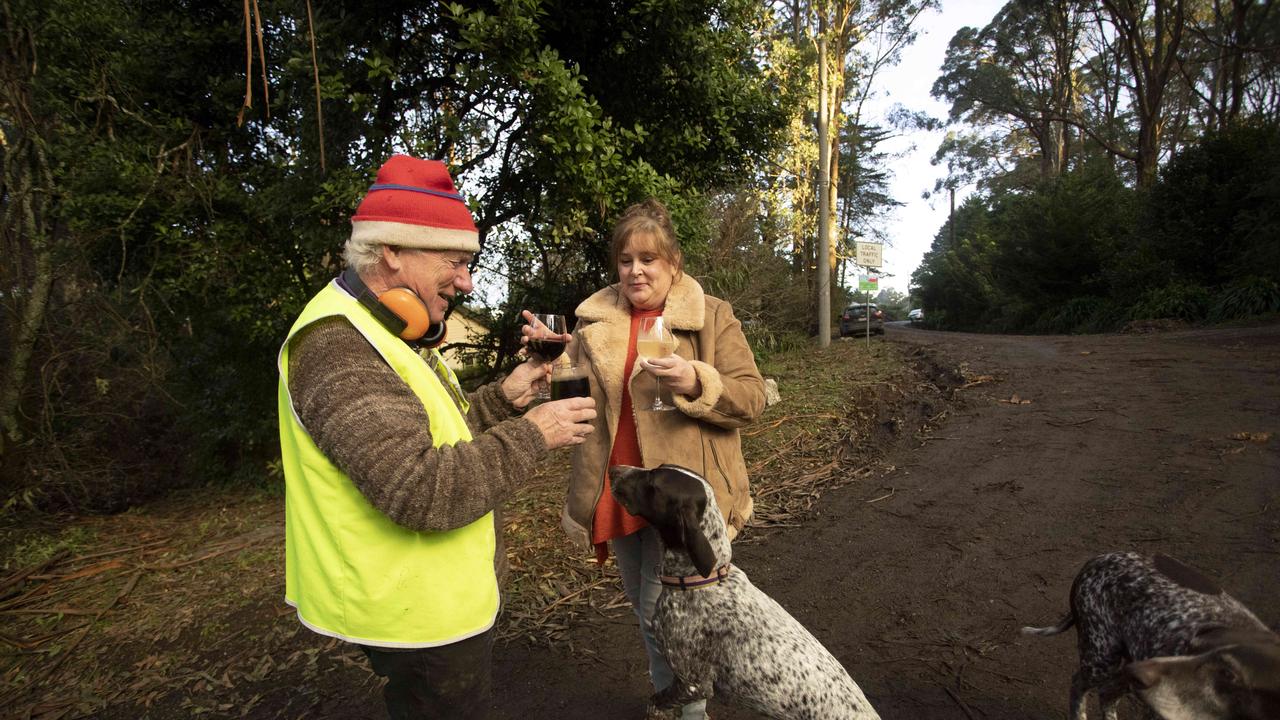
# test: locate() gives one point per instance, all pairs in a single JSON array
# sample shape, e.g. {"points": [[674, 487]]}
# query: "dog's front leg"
{"points": [[677, 694]]}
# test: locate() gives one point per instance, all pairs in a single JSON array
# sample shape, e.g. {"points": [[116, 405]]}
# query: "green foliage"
{"points": [[736, 266], [1084, 253], [1247, 297], [185, 242], [1051, 242], [954, 283], [1214, 214], [36, 548], [1178, 300], [1082, 315]]}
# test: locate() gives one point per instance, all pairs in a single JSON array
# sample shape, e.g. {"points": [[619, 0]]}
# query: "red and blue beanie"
{"points": [[413, 203]]}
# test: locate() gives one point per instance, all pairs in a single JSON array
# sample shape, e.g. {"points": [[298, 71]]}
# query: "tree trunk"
{"points": [[822, 273], [1151, 59], [25, 165]]}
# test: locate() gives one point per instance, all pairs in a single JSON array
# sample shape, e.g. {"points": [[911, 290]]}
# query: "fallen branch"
{"points": [[789, 418], [39, 679], [50, 611], [117, 551], [19, 577], [1071, 424], [968, 713], [883, 497]]}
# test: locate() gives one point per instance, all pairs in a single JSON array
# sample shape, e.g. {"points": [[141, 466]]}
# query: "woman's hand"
{"points": [[674, 373], [534, 374], [533, 327]]}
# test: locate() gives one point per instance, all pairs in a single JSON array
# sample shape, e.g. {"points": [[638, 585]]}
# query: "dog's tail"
{"points": [[1063, 625]]}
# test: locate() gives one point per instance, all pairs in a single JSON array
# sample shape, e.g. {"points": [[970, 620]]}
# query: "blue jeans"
{"points": [[639, 558]]}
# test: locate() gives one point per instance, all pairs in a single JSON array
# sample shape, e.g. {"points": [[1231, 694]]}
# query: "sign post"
{"points": [[869, 255], [868, 284]]}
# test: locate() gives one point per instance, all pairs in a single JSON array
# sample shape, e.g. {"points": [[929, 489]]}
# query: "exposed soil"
{"points": [[1078, 445], [952, 503]]}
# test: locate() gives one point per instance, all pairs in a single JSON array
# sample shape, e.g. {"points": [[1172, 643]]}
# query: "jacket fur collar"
{"points": [[685, 309], [605, 329]]}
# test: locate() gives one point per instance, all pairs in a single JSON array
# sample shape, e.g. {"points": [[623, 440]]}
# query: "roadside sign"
{"points": [[870, 255], [868, 283]]}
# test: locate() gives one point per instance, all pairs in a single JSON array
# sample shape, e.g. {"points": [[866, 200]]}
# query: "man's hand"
{"points": [[564, 422], [525, 380], [674, 373]]}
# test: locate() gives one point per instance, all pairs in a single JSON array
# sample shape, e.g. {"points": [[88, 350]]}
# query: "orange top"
{"points": [[611, 520]]}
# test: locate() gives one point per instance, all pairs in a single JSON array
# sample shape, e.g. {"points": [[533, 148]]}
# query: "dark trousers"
{"points": [[450, 682]]}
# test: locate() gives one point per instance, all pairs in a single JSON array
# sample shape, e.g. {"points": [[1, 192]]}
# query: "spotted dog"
{"points": [[721, 635], [1162, 630]]}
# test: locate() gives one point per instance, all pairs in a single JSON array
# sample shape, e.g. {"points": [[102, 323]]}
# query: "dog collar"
{"points": [[695, 582]]}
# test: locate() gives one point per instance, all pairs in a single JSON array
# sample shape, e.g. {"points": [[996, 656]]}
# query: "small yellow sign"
{"points": [[870, 255]]}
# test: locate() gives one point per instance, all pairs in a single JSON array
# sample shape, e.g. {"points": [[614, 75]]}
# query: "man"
{"points": [[393, 474]]}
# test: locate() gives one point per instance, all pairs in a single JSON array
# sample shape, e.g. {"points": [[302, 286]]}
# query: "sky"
{"points": [[915, 223]]}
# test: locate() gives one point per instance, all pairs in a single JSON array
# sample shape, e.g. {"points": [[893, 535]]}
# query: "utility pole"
{"points": [[951, 219], [824, 202]]}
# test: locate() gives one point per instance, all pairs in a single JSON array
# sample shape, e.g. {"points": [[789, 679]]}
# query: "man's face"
{"points": [[435, 275]]}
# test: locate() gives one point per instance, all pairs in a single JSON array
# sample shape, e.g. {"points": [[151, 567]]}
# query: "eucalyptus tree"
{"points": [[1019, 71], [1230, 60], [851, 42], [1150, 34], [1134, 79]]}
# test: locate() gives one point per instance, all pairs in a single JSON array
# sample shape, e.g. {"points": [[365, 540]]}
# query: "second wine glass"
{"points": [[547, 342], [655, 340]]}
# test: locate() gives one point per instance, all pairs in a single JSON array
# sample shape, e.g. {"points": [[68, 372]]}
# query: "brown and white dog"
{"points": [[1162, 630]]}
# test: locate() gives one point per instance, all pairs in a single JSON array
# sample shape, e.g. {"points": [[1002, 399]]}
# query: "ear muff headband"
{"points": [[400, 311]]}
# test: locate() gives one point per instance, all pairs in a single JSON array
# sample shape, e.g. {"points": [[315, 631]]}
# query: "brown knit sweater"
{"points": [[368, 422]]}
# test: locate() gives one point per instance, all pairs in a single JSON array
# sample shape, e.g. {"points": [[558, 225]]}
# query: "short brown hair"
{"points": [[647, 218]]}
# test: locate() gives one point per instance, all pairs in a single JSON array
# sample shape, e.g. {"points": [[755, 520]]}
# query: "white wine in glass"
{"points": [[654, 340]]}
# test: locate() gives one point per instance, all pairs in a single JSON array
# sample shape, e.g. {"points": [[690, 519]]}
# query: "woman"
{"points": [[712, 378]]}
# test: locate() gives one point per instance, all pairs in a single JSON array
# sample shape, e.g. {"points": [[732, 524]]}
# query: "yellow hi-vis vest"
{"points": [[350, 571]]}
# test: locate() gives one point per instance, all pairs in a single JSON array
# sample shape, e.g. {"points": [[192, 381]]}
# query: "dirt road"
{"points": [[1074, 446]]}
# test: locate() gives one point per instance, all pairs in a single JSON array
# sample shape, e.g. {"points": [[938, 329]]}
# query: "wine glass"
{"points": [[654, 340], [569, 380], [547, 342]]}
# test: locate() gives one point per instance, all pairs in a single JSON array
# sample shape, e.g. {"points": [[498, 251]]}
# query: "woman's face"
{"points": [[646, 277]]}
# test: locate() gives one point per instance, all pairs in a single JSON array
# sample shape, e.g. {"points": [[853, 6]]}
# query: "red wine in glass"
{"points": [[547, 342], [546, 349]]}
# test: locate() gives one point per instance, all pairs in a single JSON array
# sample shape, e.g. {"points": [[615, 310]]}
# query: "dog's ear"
{"points": [[621, 472], [690, 521], [1212, 637]]}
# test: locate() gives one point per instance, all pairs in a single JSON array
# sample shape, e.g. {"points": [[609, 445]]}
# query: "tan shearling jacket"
{"points": [[702, 434]]}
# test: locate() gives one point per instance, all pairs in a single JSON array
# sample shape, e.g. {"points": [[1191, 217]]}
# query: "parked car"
{"points": [[853, 321], [916, 315]]}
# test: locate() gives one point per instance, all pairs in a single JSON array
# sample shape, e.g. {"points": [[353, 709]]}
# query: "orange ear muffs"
{"points": [[407, 306], [400, 311]]}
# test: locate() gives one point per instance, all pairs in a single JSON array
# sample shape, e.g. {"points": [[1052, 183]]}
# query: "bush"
{"points": [[1011, 316], [1081, 315], [1180, 300], [1244, 298], [1213, 214]]}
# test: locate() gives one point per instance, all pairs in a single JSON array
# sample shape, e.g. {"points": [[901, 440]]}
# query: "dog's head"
{"points": [[1232, 675], [680, 505]]}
